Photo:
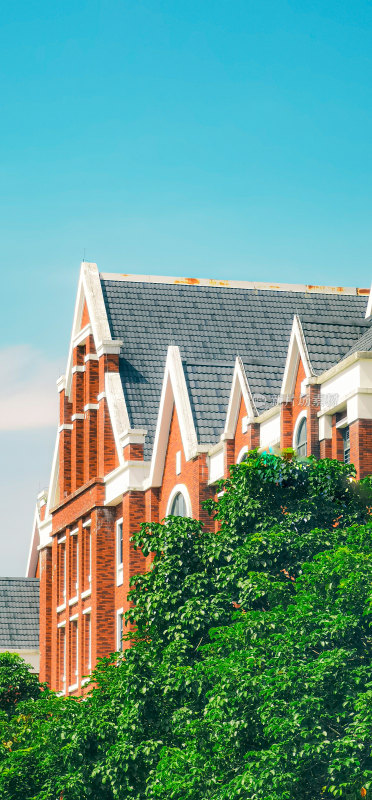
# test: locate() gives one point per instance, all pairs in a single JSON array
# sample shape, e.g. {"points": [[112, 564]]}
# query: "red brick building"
{"points": [[168, 382]]}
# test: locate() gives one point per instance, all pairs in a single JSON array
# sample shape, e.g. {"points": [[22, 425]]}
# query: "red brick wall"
{"points": [[45, 632], [250, 439], [361, 446]]}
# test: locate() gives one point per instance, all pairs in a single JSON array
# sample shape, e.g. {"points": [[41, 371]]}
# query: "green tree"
{"points": [[17, 682], [250, 672]]}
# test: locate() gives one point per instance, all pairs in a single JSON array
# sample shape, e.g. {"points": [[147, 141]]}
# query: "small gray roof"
{"points": [[362, 344], [211, 325], [19, 613], [329, 340]]}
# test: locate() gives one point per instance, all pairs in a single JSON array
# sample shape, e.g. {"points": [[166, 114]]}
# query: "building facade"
{"points": [[168, 382]]}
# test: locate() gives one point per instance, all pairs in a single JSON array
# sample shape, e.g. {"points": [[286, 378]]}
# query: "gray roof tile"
{"points": [[211, 326], [19, 613]]}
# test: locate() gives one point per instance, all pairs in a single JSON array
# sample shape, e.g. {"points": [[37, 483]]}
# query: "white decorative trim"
{"points": [[262, 286], [86, 593], [77, 416], [87, 610], [119, 613], [296, 350], [74, 531], [61, 383], [73, 687], [78, 368], [174, 392], [180, 488], [343, 423], [85, 680], [61, 608], [101, 396], [109, 347], [117, 409], [87, 523], [74, 617], [61, 539], [91, 407], [242, 453], [61, 624], [129, 476], [133, 436], [302, 415], [73, 601], [369, 304], [119, 564], [82, 334], [239, 388], [91, 357], [65, 427]]}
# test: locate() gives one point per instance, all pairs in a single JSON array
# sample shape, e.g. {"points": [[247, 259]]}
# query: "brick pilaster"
{"points": [[45, 633]]}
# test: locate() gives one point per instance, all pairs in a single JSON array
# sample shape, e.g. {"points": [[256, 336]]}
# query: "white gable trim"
{"points": [[174, 391], [117, 410], [239, 388], [33, 550], [296, 350], [89, 290], [369, 304]]}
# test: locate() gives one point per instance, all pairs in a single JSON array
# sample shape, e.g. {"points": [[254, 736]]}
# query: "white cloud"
{"points": [[29, 397]]}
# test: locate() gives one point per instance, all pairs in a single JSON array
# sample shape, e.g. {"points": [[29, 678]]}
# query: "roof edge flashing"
{"points": [[255, 285]]}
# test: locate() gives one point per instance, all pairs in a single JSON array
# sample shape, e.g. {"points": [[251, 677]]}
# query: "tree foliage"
{"points": [[250, 671]]}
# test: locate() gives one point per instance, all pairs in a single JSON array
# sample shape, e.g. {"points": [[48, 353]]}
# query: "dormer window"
{"points": [[301, 439]]}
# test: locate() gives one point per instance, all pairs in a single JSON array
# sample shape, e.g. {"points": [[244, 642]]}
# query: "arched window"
{"points": [[243, 455], [178, 507], [301, 438]]}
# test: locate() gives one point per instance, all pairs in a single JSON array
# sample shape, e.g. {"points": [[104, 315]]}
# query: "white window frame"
{"points": [[119, 639], [182, 489], [62, 626], [302, 415], [88, 524], [87, 613], [242, 453], [119, 565]]}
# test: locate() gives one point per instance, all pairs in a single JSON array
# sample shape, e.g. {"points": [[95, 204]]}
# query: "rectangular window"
{"points": [[74, 564], [119, 552], [74, 652], [61, 573], [87, 558], [87, 642], [119, 629], [346, 443], [61, 658]]}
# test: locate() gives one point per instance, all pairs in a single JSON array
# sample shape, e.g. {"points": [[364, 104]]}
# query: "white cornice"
{"points": [[111, 347]]}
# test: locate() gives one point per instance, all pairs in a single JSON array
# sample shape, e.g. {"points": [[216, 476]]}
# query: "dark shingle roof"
{"points": [[329, 340], [19, 613], [211, 325], [364, 343]]}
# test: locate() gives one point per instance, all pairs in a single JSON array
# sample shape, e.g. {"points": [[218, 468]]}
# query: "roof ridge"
{"points": [[253, 285]]}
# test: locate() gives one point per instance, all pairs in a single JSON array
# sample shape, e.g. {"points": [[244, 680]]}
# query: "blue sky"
{"points": [[209, 139]]}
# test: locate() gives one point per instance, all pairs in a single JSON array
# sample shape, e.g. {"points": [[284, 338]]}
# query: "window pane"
{"points": [[301, 439], [178, 508], [346, 443]]}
